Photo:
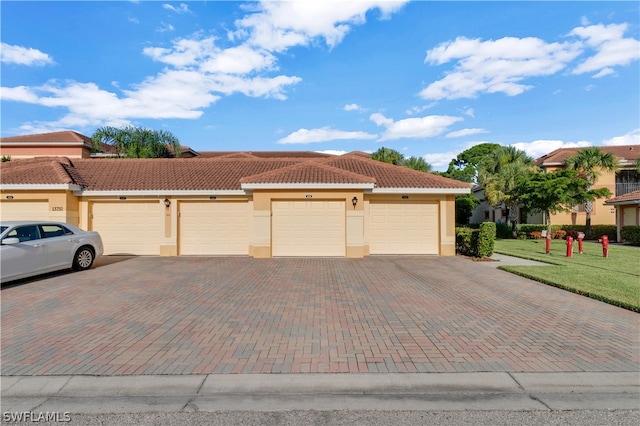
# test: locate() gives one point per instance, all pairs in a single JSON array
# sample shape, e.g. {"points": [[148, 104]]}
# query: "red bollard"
{"points": [[604, 240], [580, 238], [547, 237], [569, 247]]}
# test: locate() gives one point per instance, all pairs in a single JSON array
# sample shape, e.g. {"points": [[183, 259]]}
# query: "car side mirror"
{"points": [[10, 241]]}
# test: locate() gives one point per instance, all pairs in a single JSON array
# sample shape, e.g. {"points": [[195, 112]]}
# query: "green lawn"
{"points": [[614, 280]]}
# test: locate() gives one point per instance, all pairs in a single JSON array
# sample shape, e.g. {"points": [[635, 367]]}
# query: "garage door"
{"points": [[404, 228], [129, 227], [24, 210], [308, 228], [214, 228]]}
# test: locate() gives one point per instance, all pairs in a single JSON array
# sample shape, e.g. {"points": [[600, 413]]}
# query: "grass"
{"points": [[614, 280]]}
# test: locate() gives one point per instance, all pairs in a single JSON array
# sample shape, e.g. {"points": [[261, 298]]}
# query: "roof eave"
{"points": [[40, 187], [622, 203], [251, 186], [162, 192]]}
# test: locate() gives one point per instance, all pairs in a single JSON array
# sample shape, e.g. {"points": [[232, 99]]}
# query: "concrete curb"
{"points": [[287, 392]]}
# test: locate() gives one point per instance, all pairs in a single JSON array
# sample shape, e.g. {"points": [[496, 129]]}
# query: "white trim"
{"points": [[40, 186], [162, 193], [307, 185], [421, 191]]}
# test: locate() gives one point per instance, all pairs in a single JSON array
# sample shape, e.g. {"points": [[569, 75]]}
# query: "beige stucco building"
{"points": [[252, 204]]}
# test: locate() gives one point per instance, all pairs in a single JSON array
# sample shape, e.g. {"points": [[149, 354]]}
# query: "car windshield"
{"points": [[3, 228]]}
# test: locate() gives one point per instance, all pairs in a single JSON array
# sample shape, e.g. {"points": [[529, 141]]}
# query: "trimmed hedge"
{"points": [[476, 242], [561, 231], [630, 234]]}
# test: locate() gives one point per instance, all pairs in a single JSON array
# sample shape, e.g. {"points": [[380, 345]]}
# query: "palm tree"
{"points": [[417, 163], [137, 142], [388, 155], [590, 163], [498, 176]]}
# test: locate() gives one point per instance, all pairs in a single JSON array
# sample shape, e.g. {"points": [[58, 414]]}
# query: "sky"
{"points": [[429, 79]]}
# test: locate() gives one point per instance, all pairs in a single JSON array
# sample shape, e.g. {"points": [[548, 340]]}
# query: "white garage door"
{"points": [[24, 210], [128, 227], [308, 228], [214, 228], [404, 228]]}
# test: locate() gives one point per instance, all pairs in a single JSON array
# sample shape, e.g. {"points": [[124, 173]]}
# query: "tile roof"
{"points": [[309, 172], [628, 198], [40, 170], [629, 153], [64, 136], [263, 154], [188, 174]]}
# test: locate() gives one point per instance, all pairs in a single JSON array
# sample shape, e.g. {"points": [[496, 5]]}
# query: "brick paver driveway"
{"points": [[195, 315]]}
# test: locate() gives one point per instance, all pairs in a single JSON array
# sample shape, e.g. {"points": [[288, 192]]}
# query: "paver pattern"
{"points": [[207, 315]]}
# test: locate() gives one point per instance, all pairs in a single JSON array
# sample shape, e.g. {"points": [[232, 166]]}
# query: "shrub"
{"points": [[503, 231], [486, 239], [630, 234], [522, 235], [573, 234], [598, 231], [528, 228], [535, 235], [559, 234], [464, 237]]}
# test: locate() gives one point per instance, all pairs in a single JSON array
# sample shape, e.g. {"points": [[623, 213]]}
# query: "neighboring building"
{"points": [[68, 144], [498, 214], [621, 182], [627, 210], [60, 144], [240, 203]]}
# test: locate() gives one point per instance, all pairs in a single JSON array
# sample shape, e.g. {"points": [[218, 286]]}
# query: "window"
{"points": [[486, 215], [25, 233], [51, 231]]}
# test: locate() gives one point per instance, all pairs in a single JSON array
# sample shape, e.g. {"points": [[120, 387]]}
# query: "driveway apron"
{"points": [[208, 315]]}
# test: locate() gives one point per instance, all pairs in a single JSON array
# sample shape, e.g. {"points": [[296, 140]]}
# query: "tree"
{"points": [[590, 163], [556, 192], [388, 155], [498, 176], [417, 163], [137, 142], [638, 164], [465, 166], [465, 205]]}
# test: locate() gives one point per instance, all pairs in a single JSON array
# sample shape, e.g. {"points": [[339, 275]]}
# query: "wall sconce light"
{"points": [[354, 201], [167, 202], [9, 197]]}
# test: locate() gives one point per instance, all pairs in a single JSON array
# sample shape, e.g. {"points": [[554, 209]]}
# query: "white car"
{"points": [[30, 248]]}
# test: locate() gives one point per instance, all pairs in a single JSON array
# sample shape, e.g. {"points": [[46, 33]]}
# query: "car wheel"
{"points": [[83, 259]]}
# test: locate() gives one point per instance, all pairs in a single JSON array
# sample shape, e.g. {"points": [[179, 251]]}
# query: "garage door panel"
{"points": [[24, 210], [214, 228], [404, 228], [308, 228], [128, 227]]}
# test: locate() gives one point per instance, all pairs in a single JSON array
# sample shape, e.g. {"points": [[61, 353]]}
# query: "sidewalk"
{"points": [[322, 392]]}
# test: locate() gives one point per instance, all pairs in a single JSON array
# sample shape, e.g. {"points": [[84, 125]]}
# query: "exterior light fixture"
{"points": [[167, 202], [354, 201], [9, 197], [122, 198]]}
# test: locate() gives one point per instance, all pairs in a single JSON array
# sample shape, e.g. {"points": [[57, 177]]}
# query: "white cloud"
{"points": [[183, 8], [413, 128], [164, 27], [11, 54], [612, 48], [324, 134], [466, 132], [352, 107], [631, 138], [277, 26], [440, 160], [332, 152], [495, 65], [539, 148], [470, 112]]}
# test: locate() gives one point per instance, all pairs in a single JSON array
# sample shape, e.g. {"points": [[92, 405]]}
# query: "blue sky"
{"points": [[425, 78]]}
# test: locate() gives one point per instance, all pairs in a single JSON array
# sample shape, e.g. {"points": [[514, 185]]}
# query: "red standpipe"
{"points": [[569, 247]]}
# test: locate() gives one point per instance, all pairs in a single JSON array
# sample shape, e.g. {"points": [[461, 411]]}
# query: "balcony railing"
{"points": [[625, 188]]}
